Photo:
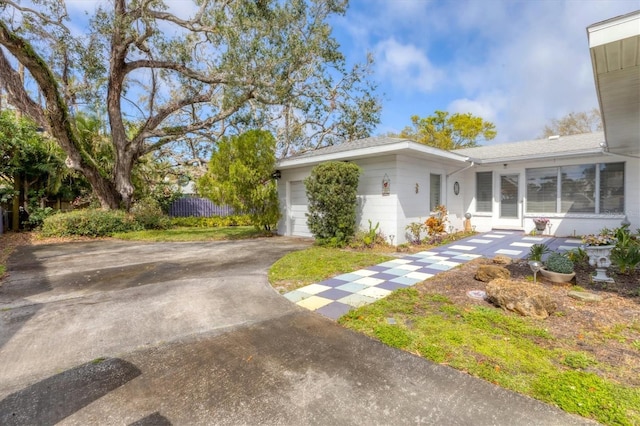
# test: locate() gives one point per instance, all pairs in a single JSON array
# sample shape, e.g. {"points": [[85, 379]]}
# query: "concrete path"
{"points": [[122, 333], [338, 295]]}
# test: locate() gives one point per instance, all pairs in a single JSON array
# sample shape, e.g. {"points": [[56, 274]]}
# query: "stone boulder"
{"points": [[502, 259], [525, 298], [486, 273]]}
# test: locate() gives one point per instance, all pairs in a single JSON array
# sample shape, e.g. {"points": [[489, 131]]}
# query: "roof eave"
{"points": [[395, 148], [573, 154]]}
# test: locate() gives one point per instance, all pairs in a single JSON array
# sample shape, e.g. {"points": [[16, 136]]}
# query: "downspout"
{"points": [[446, 178]]}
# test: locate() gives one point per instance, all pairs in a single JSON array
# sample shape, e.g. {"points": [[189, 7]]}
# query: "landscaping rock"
{"points": [[527, 299], [486, 273], [584, 296], [501, 259]]}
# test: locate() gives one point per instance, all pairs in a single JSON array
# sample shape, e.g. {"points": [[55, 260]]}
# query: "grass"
{"points": [[315, 264], [192, 234], [513, 352]]}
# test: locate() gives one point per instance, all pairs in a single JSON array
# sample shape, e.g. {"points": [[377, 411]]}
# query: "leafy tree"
{"points": [[445, 131], [163, 79], [332, 188], [574, 123], [239, 175], [31, 164]]}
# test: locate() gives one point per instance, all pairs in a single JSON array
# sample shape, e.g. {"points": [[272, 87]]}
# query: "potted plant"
{"points": [[558, 268], [541, 223], [598, 248]]}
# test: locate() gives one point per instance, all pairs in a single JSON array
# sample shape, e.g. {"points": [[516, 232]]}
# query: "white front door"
{"points": [[510, 211]]}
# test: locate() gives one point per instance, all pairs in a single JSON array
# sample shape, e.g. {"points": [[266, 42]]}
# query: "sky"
{"points": [[518, 64]]}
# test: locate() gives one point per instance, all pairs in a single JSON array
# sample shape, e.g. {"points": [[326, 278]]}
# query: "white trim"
{"points": [[614, 29], [394, 148]]}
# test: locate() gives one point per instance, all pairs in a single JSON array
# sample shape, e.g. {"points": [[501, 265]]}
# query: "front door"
{"points": [[510, 202]]}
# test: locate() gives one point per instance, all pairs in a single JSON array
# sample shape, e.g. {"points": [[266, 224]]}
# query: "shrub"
{"points": [[435, 224], [211, 222], [331, 190], [415, 228], [560, 263], [536, 251], [578, 255], [38, 215], [368, 238], [89, 222], [626, 254], [148, 213]]}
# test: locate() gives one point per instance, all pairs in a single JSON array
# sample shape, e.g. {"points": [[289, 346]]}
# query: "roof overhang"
{"points": [[540, 157], [615, 56], [412, 149]]}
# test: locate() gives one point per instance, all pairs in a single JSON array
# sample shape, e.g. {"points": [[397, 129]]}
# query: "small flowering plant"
{"points": [[541, 221], [604, 238]]}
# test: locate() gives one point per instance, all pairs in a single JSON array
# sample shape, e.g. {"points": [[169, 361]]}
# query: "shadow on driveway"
{"points": [[49, 401]]}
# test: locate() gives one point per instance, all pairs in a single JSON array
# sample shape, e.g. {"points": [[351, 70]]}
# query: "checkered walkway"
{"points": [[338, 295]]}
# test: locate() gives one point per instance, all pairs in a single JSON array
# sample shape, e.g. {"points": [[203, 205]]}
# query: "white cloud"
{"points": [[405, 66]]}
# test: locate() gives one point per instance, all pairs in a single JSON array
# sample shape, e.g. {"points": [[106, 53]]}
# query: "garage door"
{"points": [[297, 216]]}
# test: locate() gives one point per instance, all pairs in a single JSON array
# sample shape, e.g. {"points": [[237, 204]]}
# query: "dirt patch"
{"points": [[608, 330]]}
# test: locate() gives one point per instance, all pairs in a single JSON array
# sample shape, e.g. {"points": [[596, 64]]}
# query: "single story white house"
{"points": [[581, 183]]}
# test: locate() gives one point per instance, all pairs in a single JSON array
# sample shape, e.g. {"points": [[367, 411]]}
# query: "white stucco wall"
{"points": [[372, 205], [563, 224]]}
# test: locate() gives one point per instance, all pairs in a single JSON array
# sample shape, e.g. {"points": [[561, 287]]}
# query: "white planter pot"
{"points": [[599, 256], [557, 277]]}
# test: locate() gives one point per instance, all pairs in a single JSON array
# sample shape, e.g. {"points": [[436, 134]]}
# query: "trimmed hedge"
{"points": [[212, 222], [89, 223]]}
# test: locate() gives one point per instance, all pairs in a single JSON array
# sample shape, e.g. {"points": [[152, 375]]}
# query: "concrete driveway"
{"points": [[112, 332]]}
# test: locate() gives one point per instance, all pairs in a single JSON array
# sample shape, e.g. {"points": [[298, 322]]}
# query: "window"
{"points": [[542, 190], [578, 189], [586, 188], [434, 191], [611, 188], [484, 192]]}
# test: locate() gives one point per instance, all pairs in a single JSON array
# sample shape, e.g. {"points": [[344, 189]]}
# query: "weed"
{"points": [[590, 396], [578, 360], [98, 360], [392, 335]]}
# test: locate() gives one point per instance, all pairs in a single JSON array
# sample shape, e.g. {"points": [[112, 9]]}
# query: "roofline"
{"points": [[396, 147], [583, 153], [626, 27]]}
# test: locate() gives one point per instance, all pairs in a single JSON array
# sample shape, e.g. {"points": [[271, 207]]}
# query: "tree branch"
{"points": [[18, 96]]}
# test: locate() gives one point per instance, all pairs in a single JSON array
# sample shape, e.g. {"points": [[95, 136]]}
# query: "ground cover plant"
{"points": [[585, 358]]}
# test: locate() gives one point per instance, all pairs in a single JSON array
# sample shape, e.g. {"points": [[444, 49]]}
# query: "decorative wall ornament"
{"points": [[456, 188], [386, 185]]}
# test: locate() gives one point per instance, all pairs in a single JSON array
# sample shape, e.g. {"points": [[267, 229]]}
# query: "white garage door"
{"points": [[297, 216]]}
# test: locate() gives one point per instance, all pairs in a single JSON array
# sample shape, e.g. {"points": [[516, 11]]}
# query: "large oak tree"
{"points": [[163, 77]]}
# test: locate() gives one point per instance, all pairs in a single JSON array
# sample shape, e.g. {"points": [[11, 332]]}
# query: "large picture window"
{"points": [[484, 192], [586, 188]]}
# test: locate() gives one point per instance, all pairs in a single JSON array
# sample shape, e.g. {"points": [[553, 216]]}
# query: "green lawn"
{"points": [[315, 264], [510, 351], [192, 234]]}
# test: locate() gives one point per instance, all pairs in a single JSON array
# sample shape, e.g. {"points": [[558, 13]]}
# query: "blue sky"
{"points": [[518, 64]]}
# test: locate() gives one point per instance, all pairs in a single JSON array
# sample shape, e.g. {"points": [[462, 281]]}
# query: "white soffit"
{"points": [[615, 57]]}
